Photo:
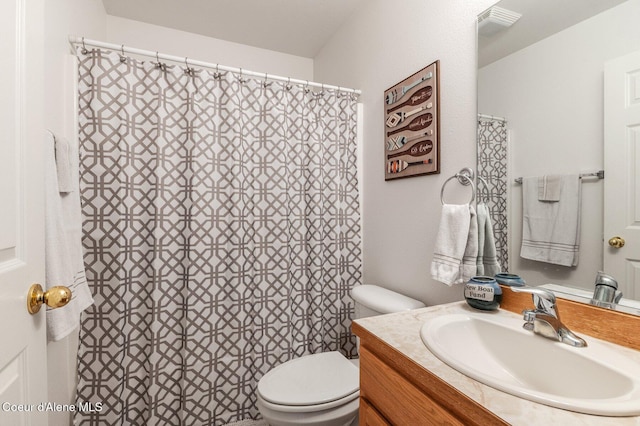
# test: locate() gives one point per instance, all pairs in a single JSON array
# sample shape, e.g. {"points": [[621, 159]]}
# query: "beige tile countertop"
{"points": [[402, 332]]}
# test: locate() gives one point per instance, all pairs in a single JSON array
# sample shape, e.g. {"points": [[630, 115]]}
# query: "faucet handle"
{"points": [[544, 300]]}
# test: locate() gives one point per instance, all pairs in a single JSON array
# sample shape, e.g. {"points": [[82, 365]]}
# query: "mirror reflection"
{"points": [[541, 97]]}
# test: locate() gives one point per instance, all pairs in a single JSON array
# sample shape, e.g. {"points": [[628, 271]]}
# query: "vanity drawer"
{"points": [[369, 416], [399, 401]]}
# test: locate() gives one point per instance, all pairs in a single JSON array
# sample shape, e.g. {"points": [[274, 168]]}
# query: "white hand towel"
{"points": [[471, 249], [487, 259], [551, 231], [482, 219], [451, 244], [549, 187], [63, 165], [63, 249]]}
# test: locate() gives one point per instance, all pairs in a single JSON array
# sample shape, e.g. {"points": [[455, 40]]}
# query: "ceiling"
{"points": [[297, 27], [302, 27], [540, 19]]}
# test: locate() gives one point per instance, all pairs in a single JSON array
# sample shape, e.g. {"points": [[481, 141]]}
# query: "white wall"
{"points": [[552, 95], [380, 45], [195, 46], [64, 18]]}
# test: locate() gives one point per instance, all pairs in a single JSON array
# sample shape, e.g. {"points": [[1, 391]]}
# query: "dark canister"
{"points": [[512, 280], [483, 293]]}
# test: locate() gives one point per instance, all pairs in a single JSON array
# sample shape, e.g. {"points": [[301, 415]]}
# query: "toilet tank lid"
{"points": [[382, 300]]}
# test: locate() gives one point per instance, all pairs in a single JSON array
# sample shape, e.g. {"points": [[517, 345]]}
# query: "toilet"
{"points": [[323, 389]]}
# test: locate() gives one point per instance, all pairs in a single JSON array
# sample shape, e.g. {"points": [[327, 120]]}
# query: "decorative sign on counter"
{"points": [[412, 125]]}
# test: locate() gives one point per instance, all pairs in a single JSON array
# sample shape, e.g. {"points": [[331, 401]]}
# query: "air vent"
{"points": [[496, 19]]}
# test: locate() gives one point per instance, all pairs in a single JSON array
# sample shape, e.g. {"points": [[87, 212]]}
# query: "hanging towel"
{"points": [[63, 165], [549, 187], [471, 249], [63, 249], [487, 262], [551, 231], [455, 252]]}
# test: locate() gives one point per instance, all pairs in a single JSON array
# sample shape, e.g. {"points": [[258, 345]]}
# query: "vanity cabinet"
{"points": [[394, 390]]}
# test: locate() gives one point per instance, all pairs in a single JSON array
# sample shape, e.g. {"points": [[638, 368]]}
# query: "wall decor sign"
{"points": [[412, 125]]}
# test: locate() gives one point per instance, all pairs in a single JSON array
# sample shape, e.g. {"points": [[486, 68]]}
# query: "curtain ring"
{"points": [[159, 64], [188, 70], [122, 49], [122, 57], [84, 47]]}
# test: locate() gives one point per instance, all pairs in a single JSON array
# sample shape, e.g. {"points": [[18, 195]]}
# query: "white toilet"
{"points": [[323, 389]]}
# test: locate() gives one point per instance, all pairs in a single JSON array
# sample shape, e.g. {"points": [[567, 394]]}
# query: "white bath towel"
{"points": [[549, 187], [551, 231], [63, 249], [455, 252], [487, 262]]}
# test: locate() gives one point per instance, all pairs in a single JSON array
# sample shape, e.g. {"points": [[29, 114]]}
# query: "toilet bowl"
{"points": [[323, 389]]}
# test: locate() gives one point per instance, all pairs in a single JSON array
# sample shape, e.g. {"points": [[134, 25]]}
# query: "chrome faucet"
{"points": [[545, 319], [606, 293]]}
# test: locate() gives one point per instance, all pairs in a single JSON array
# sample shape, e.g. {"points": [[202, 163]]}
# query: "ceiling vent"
{"points": [[496, 19]]}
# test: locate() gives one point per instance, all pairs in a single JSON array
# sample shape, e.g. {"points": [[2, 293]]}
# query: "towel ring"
{"points": [[462, 177]]}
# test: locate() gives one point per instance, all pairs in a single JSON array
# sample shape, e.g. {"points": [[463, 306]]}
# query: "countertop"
{"points": [[402, 332]]}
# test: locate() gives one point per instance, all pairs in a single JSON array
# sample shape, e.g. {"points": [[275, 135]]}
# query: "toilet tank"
{"points": [[373, 300]]}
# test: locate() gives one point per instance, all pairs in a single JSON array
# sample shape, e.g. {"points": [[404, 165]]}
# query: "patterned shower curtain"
{"points": [[492, 168], [221, 236]]}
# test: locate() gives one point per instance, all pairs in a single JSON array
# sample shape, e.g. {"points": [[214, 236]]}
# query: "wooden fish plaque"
{"points": [[412, 125]]}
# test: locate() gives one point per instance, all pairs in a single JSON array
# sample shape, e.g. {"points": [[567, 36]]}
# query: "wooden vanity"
{"points": [[403, 383], [396, 391]]}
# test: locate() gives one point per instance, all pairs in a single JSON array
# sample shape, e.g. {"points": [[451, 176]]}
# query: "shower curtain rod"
{"points": [[81, 41], [491, 117]]}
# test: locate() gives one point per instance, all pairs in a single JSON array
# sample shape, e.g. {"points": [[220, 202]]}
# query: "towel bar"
{"points": [[599, 174]]}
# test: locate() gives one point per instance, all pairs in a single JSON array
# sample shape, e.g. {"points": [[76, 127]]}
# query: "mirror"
{"points": [[540, 112]]}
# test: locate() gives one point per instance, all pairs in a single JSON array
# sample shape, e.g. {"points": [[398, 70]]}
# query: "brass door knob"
{"points": [[55, 297], [616, 242]]}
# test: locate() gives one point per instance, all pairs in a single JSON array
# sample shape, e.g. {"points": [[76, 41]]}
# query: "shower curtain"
{"points": [[221, 236], [492, 167]]}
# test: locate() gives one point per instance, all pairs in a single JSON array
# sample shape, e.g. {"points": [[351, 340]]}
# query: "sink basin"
{"points": [[494, 349]]}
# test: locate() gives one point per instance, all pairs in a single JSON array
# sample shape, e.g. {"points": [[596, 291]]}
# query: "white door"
{"points": [[622, 171], [22, 336]]}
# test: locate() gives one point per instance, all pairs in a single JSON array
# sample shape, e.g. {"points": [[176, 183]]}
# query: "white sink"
{"points": [[494, 349]]}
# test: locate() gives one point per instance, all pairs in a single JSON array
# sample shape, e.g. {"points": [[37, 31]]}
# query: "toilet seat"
{"points": [[310, 383]]}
